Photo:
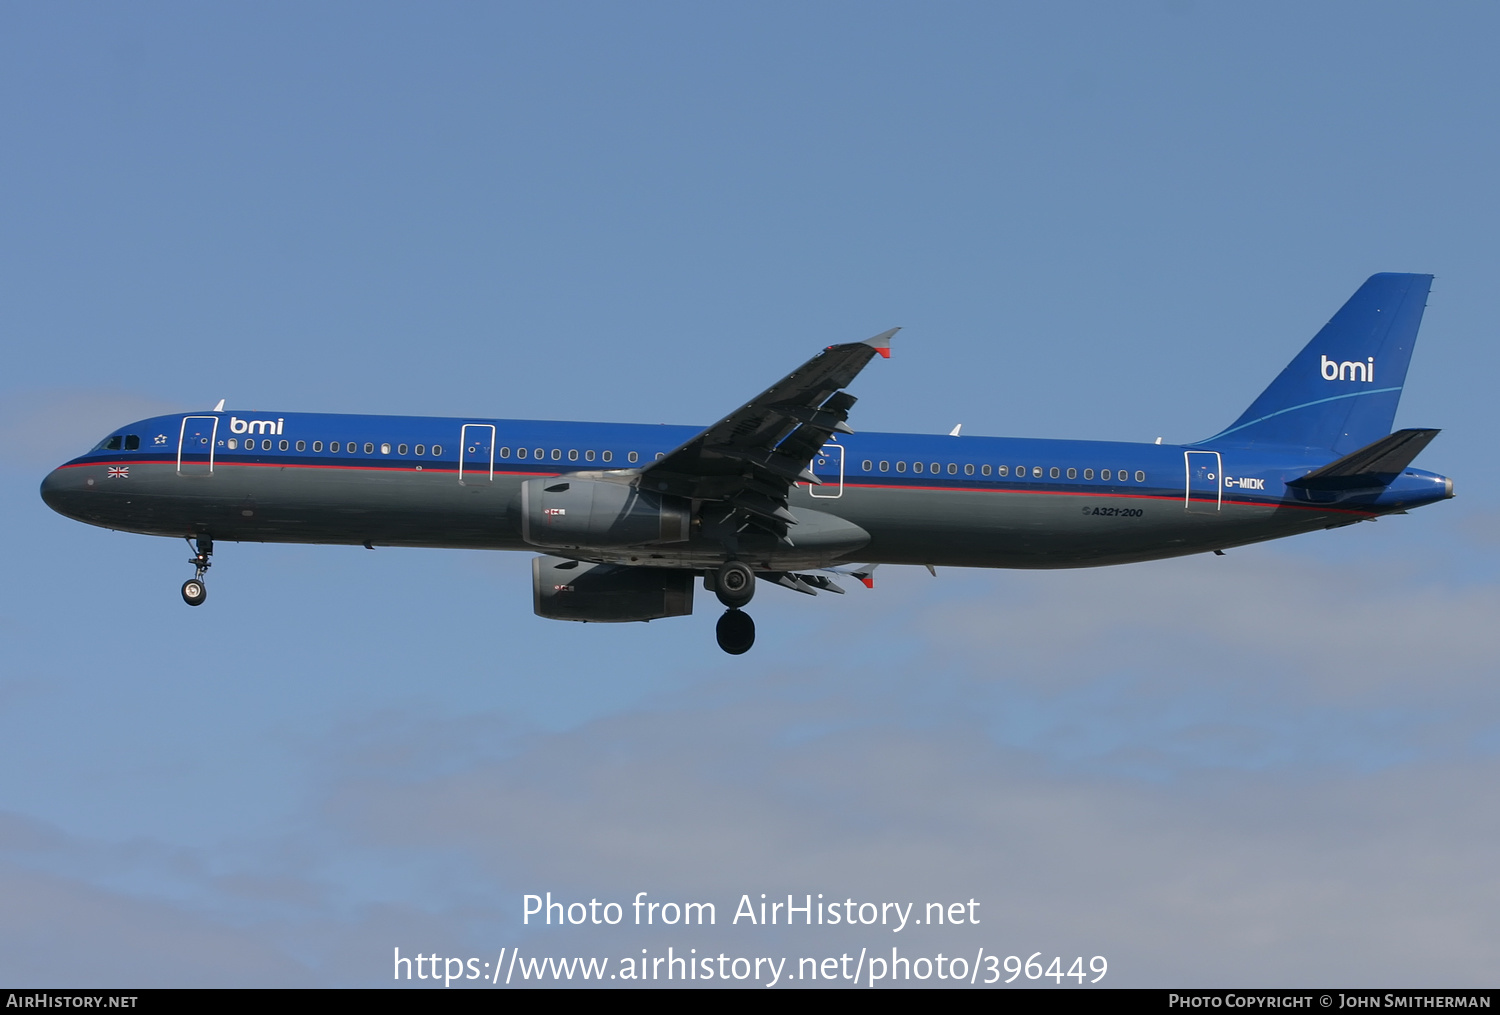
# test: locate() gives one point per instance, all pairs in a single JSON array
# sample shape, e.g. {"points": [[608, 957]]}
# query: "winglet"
{"points": [[881, 343]]}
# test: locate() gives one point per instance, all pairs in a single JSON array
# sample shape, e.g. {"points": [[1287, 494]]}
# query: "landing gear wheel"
{"points": [[734, 584], [736, 632], [193, 590]]}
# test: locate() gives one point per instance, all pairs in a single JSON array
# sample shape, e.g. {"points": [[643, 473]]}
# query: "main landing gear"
{"points": [[193, 590], [734, 584]]}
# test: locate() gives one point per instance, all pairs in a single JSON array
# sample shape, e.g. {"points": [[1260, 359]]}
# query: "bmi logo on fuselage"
{"points": [[272, 426], [1348, 370]]}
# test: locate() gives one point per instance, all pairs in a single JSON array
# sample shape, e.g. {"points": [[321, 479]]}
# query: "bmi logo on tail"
{"points": [[1348, 370]]}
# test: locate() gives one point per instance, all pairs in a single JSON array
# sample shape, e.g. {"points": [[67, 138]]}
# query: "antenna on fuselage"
{"points": [[220, 406], [955, 430]]}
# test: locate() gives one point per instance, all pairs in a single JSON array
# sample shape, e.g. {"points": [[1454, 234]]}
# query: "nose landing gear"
{"points": [[194, 591]]}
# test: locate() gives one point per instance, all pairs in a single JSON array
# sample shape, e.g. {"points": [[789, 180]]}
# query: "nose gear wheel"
{"points": [[194, 591]]}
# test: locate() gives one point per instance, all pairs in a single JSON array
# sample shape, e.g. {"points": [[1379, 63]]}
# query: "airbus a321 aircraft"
{"points": [[627, 517]]}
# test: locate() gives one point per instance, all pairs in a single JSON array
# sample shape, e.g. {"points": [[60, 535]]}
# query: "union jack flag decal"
{"points": [[119, 472]]}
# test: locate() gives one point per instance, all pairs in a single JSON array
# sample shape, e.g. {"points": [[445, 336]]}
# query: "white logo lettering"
{"points": [[270, 426], [1349, 370]]}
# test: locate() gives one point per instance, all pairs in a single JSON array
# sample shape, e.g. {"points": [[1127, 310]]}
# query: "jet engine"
{"points": [[565, 589], [581, 513]]}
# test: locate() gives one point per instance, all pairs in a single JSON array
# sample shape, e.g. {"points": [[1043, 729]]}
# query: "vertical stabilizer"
{"points": [[1341, 391]]}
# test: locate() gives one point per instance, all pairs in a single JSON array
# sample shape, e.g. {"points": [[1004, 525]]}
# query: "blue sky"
{"points": [[1092, 221]]}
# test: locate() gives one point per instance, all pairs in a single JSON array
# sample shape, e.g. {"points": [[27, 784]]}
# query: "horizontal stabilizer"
{"points": [[1373, 465]]}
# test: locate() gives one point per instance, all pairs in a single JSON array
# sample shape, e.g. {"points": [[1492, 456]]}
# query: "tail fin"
{"points": [[1341, 391]]}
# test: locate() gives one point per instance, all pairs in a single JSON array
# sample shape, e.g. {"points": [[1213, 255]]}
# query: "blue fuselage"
{"points": [[919, 499]]}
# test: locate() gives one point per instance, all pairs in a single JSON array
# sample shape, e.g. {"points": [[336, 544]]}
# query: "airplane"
{"points": [[626, 519]]}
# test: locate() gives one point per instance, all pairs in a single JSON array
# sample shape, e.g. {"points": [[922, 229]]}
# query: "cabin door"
{"points": [[1205, 482], [476, 453], [829, 467], [195, 445]]}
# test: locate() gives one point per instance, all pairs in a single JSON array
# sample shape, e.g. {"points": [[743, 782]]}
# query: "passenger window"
{"points": [[1072, 473], [607, 456], [370, 448], [588, 456], [540, 454], [284, 445], [1123, 475], [385, 449], [1140, 477], [421, 449], [952, 469], [1004, 470], [573, 455], [936, 468], [660, 455], [317, 445], [885, 466], [401, 449], [900, 466], [302, 445], [986, 469], [232, 443], [557, 454], [520, 452], [1104, 474], [437, 449], [968, 470], [632, 457], [867, 465], [916, 466], [1053, 473], [1088, 473], [504, 452], [1036, 472]]}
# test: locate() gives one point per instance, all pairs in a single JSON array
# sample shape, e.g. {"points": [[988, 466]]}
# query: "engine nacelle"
{"points": [[608, 593], [582, 513]]}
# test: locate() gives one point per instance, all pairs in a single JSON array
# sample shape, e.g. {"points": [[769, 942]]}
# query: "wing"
{"points": [[750, 458]]}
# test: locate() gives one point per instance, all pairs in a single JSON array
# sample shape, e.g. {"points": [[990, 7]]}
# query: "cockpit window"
{"points": [[120, 442]]}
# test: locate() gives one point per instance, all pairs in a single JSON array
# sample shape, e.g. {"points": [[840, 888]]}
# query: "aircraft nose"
{"points": [[62, 491]]}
